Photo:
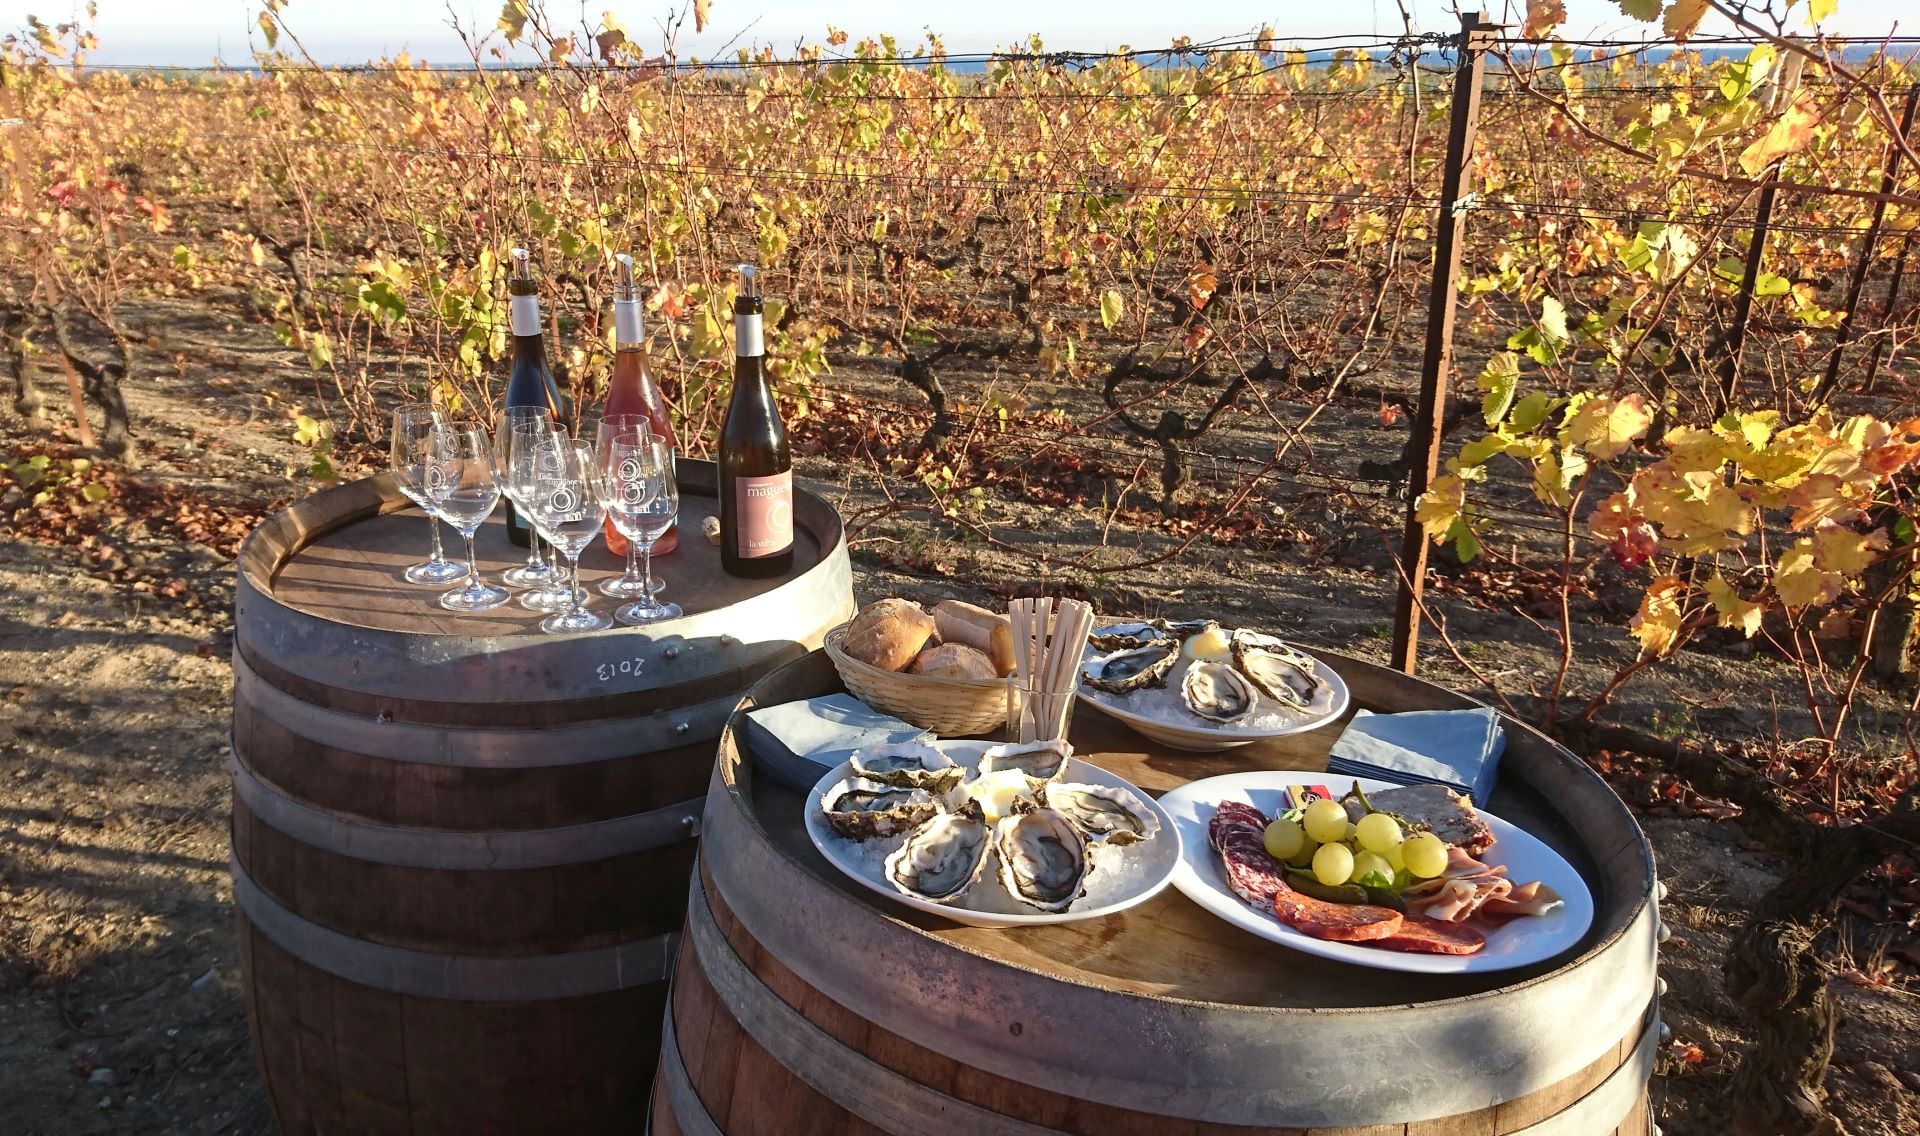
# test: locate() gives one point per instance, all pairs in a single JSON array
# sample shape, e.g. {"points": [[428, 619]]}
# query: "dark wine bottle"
{"points": [[756, 469], [530, 383]]}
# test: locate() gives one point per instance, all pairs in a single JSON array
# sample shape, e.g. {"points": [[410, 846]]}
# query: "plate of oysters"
{"points": [[1196, 685], [993, 835]]}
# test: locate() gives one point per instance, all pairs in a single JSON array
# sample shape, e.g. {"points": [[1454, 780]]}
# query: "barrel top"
{"points": [[348, 566], [1171, 948]]}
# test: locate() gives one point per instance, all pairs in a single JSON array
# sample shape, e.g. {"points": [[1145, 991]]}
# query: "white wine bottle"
{"points": [[756, 467]]}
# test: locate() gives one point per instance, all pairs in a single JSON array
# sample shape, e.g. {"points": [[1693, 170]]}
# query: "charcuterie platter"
{"points": [[1497, 899]]}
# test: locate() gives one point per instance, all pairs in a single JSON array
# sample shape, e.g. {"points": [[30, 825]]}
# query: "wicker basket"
{"points": [[950, 707]]}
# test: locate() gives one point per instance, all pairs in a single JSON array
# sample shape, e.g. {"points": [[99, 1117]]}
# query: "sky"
{"points": [[352, 31]]}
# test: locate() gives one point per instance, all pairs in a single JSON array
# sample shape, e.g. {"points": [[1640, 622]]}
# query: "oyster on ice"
{"points": [[860, 809], [1126, 636], [909, 765], [1218, 693], [1043, 857], [942, 858], [1104, 812], [1040, 761], [1127, 671], [1281, 672]]}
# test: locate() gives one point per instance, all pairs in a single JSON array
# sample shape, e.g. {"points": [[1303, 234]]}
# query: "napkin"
{"points": [[795, 743], [1456, 748]]}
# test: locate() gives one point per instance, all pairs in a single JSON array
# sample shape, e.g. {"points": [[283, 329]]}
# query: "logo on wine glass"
{"points": [[435, 481], [563, 500]]}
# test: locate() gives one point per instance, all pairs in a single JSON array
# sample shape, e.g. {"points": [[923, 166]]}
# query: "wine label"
{"points": [[628, 326], [524, 315], [747, 336], [764, 506]]}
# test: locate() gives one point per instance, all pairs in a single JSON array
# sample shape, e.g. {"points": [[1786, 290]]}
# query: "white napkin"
{"points": [[795, 743], [1457, 748]]}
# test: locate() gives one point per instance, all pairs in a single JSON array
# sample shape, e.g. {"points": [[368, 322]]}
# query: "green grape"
{"points": [[1378, 832], [1397, 856], [1284, 839], [1326, 821], [1426, 855], [1369, 864], [1304, 857], [1333, 864]]}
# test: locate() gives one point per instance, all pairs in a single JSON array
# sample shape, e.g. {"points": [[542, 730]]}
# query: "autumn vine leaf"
{"points": [[1789, 135]]}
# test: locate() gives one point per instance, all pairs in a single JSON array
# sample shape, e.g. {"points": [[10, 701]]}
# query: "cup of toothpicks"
{"points": [[1049, 639]]}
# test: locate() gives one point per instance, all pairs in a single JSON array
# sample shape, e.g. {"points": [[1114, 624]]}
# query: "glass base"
{"points": [[436, 572], [553, 597], [527, 576], [635, 614], [583, 620], [474, 597], [621, 588]]}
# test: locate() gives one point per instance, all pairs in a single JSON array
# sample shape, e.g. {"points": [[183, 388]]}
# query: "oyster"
{"points": [[909, 765], [1186, 629], [1127, 671], [1218, 693], [1043, 857], [859, 808], [1281, 672], [942, 858], [1126, 636], [1040, 761], [1104, 812]]}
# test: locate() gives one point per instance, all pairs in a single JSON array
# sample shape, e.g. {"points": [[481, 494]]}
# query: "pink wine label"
{"points": [[765, 508]]}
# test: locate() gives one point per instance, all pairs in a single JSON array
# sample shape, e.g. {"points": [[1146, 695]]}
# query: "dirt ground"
{"points": [[119, 1004]]}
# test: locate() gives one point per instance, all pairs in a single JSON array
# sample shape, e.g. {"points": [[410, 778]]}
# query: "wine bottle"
{"points": [[756, 469], [631, 389], [530, 383]]}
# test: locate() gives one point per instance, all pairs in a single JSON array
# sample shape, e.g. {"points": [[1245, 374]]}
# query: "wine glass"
{"points": [[631, 583], [536, 572], [413, 429], [527, 433], [643, 500], [568, 510], [463, 489]]}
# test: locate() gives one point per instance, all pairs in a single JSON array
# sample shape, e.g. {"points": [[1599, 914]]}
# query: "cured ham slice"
{"points": [[1456, 896], [1432, 937], [1527, 899]]}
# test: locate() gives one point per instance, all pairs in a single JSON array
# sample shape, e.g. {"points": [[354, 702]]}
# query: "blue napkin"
{"points": [[795, 743], [1457, 748]]}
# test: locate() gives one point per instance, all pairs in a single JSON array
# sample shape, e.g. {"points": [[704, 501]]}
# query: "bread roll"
{"points": [[985, 631], [888, 634], [954, 660]]}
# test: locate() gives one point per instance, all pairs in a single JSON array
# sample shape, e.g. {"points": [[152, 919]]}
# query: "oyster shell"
{"points": [[1126, 636], [861, 809], [942, 858], [1218, 693], [1281, 672], [1043, 857], [1186, 629], [1104, 812], [1040, 761], [1136, 669], [909, 765]]}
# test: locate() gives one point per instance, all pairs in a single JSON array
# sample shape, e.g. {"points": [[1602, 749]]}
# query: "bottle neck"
{"points": [[749, 336], [629, 328], [523, 316]]}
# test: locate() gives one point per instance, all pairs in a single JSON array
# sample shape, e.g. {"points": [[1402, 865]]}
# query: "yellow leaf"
{"points": [[1818, 10], [1554, 474], [1732, 610], [1683, 17], [1799, 582], [1788, 135], [1691, 449], [1845, 551], [701, 13], [1542, 17], [513, 19], [1605, 427], [1442, 504], [1657, 624]]}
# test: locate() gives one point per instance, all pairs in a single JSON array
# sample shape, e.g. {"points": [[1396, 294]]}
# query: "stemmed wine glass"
{"points": [[629, 584], [569, 512], [526, 434], [636, 478], [463, 489], [413, 429], [536, 572]]}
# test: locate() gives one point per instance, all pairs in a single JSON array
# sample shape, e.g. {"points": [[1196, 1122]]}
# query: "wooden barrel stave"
{"points": [[1014, 1035], [457, 916]]}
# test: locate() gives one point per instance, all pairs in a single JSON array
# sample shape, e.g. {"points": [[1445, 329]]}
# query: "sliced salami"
{"points": [[1339, 922], [1238, 832], [1433, 937]]}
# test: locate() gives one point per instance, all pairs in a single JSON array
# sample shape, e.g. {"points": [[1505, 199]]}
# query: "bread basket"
{"points": [[950, 707]]}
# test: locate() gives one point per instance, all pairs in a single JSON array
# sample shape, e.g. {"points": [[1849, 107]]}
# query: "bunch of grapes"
{"points": [[1373, 851]]}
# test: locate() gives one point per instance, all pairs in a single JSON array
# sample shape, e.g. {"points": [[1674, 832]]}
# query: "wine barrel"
{"points": [[803, 1004], [461, 847]]}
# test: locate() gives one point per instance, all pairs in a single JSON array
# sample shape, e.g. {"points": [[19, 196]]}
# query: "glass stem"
{"points": [[433, 524], [573, 587], [646, 570], [473, 564], [632, 560]]}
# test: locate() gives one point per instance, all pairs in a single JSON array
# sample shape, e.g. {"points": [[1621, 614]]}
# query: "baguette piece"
{"points": [[888, 634], [988, 632], [954, 660]]}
